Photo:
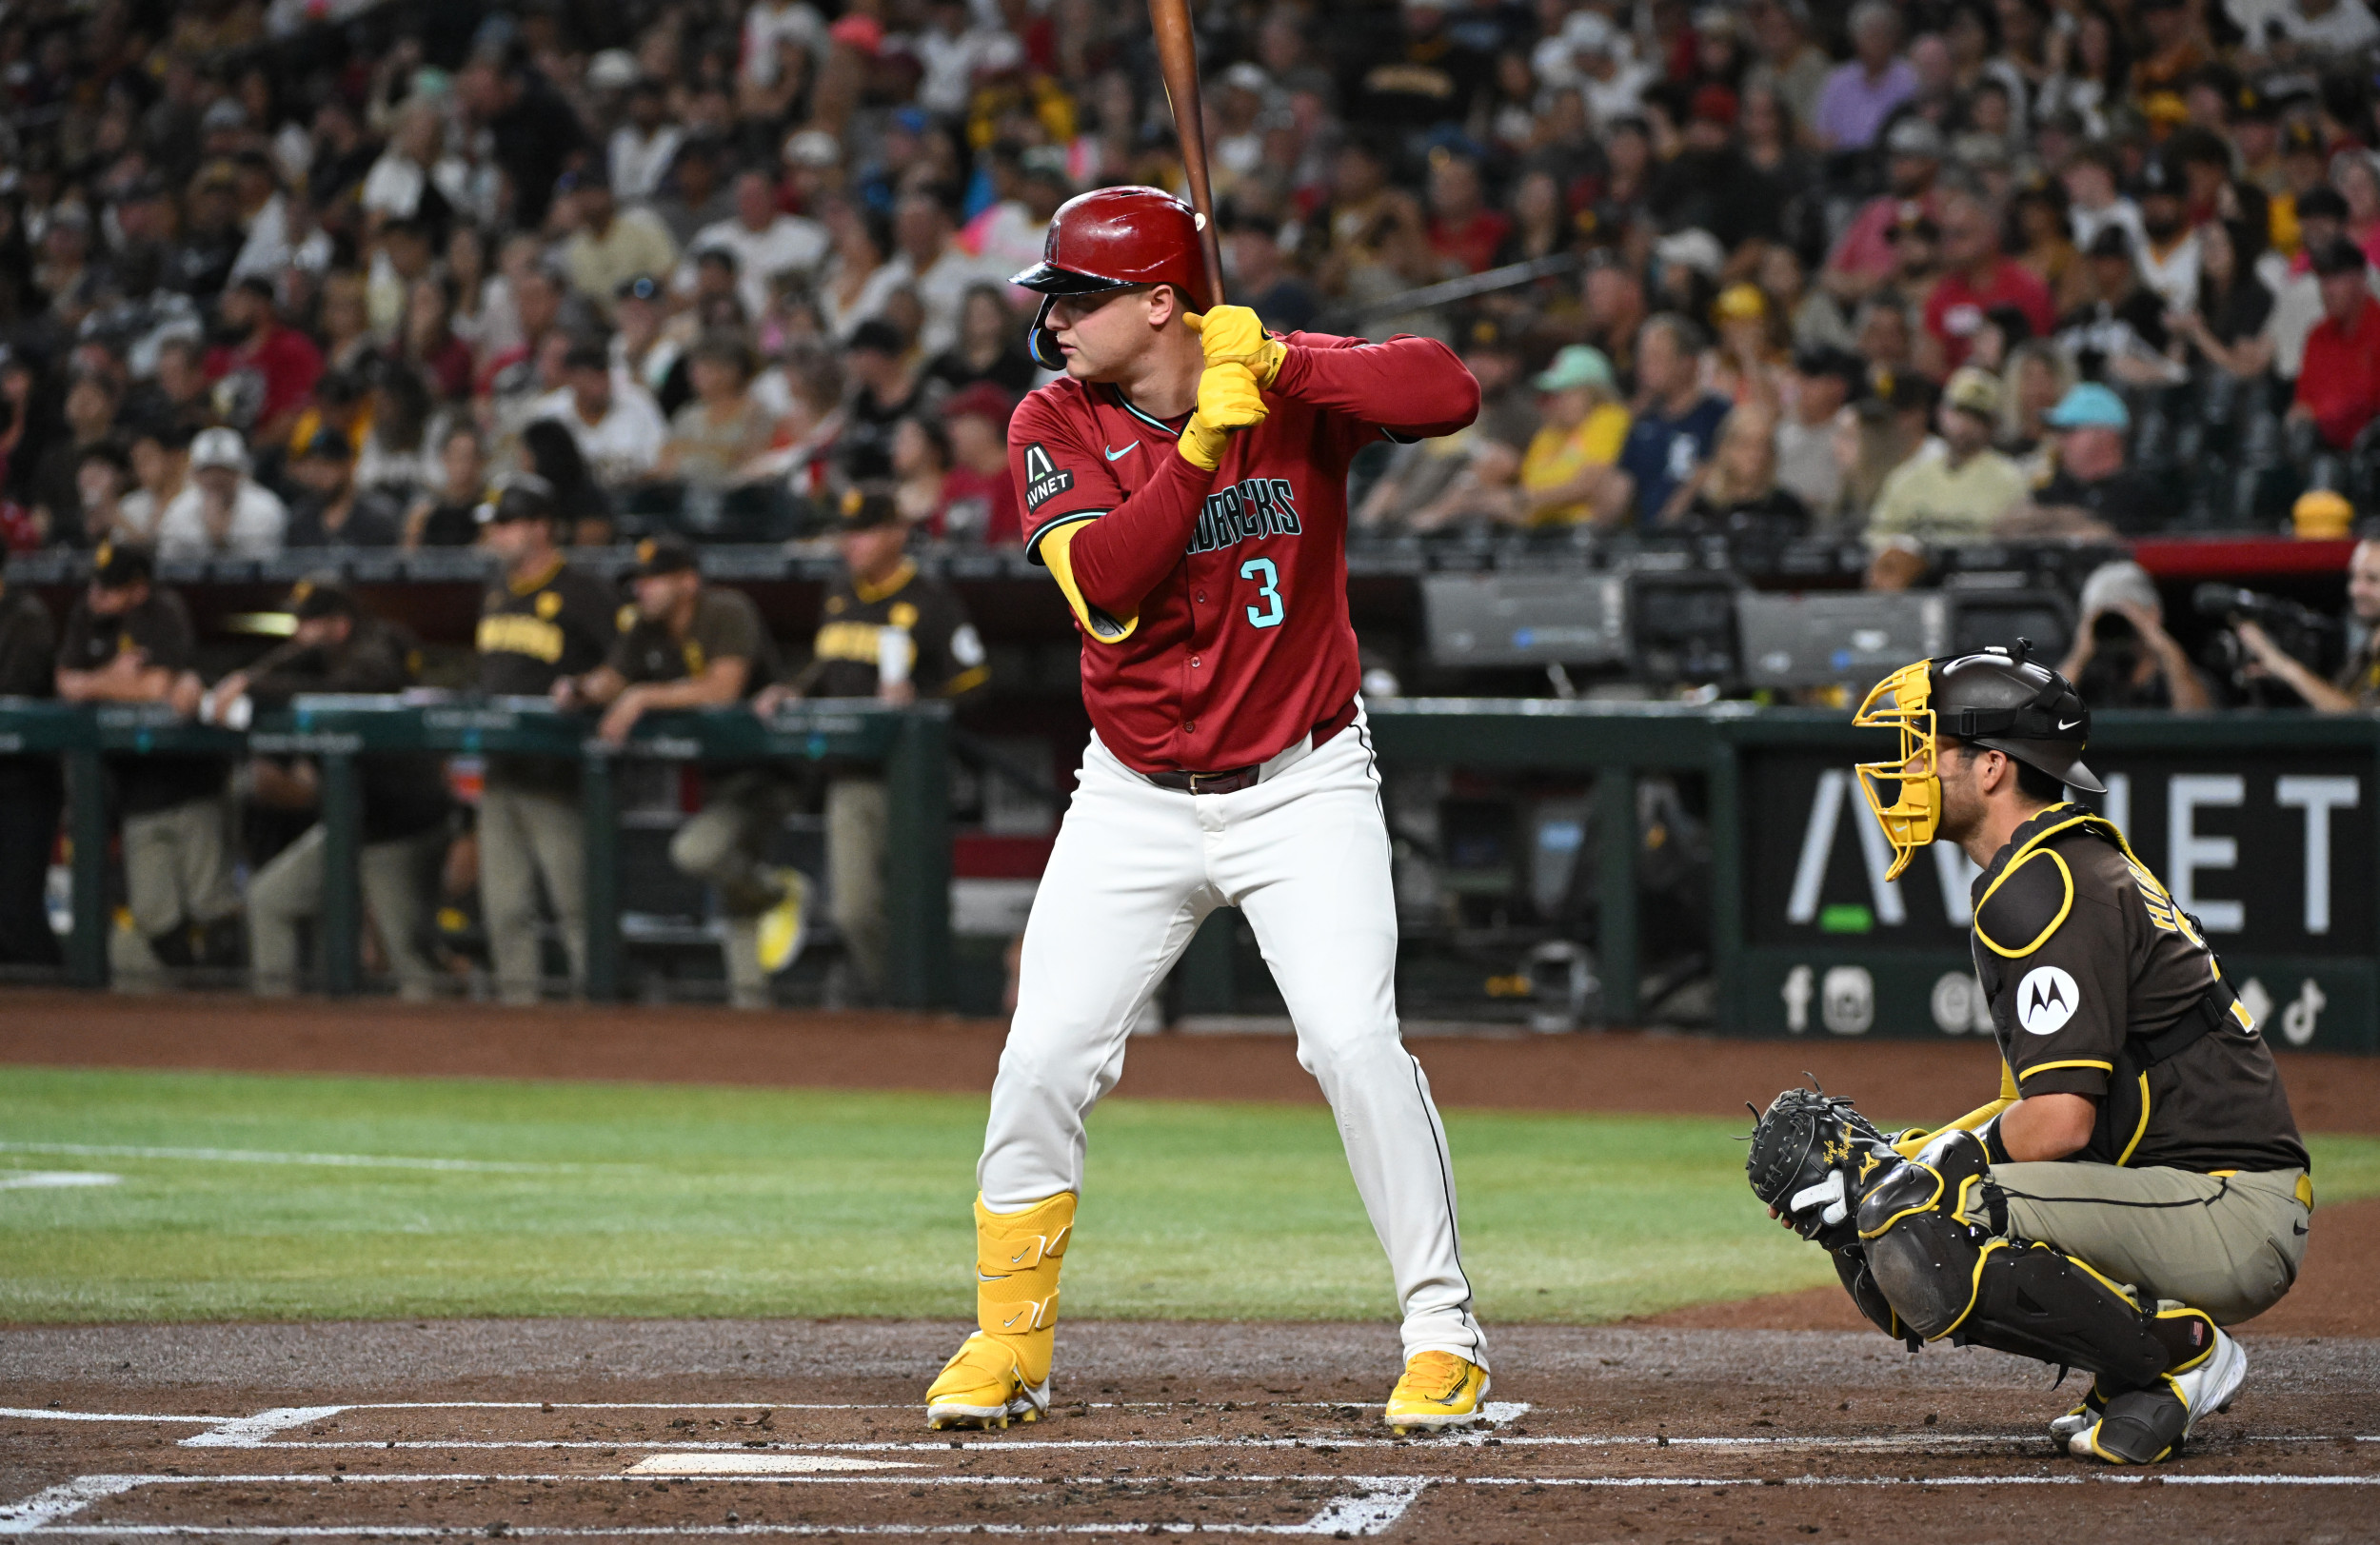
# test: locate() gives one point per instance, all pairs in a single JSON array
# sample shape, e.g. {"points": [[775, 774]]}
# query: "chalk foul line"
{"points": [[261, 1156]]}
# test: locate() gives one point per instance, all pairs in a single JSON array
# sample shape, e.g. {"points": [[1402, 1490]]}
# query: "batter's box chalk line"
{"points": [[1380, 1502], [1371, 1510]]}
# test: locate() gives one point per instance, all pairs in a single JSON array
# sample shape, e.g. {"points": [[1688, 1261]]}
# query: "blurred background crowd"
{"points": [[306, 274]]}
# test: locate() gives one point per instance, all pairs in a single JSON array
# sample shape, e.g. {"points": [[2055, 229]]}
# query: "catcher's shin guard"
{"points": [[1001, 1372], [1850, 1264], [1931, 1251]]}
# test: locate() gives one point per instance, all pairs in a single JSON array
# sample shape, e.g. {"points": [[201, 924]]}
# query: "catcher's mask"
{"points": [[1995, 698]]}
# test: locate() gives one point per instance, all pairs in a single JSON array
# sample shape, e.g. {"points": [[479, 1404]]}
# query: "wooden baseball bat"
{"points": [[1178, 60]]}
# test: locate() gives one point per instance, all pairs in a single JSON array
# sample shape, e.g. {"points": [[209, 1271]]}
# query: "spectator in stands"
{"points": [[715, 435], [542, 620], [127, 642], [883, 389], [161, 467], [92, 400], [891, 634], [646, 142], [223, 511], [1570, 472], [2123, 656], [990, 347], [2121, 334], [1858, 97], [2356, 688], [1675, 424], [1260, 271], [979, 502], [1975, 278], [763, 242], [687, 645], [2338, 391], [445, 514], [2224, 326], [1823, 382], [332, 511], [619, 429], [2168, 248], [1739, 497], [608, 246], [2092, 493], [338, 647], [1962, 494], [921, 460], [936, 269]]}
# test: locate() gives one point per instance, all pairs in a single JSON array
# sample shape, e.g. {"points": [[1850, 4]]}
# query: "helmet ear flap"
{"points": [[1041, 342]]}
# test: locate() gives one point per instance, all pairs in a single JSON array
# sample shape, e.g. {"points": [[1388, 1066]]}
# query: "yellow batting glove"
{"points": [[1228, 400], [1232, 335]]}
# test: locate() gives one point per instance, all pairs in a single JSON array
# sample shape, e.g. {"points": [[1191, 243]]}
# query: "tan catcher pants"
{"points": [[2229, 1244]]}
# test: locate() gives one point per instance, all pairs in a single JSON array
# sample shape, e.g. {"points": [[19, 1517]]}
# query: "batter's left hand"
{"points": [[1233, 335]]}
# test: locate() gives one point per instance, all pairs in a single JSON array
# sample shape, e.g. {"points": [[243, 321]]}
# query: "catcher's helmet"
{"points": [[1993, 698], [1113, 238]]}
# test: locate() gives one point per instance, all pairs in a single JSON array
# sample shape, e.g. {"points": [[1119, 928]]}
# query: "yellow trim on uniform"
{"points": [[531, 587], [2030, 852], [1056, 551], [2074, 1061], [2140, 1131], [2111, 1285], [1974, 1289], [869, 595]]}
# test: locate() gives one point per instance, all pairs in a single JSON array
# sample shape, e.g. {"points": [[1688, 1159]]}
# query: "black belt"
{"points": [[1233, 780]]}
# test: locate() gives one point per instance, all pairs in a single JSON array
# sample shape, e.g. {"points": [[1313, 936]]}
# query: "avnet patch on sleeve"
{"points": [[1042, 480]]}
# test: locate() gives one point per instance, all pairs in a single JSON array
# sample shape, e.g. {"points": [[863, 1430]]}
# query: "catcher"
{"points": [[2139, 1182]]}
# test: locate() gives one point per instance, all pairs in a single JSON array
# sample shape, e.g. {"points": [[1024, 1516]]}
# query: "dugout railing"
{"points": [[2265, 825]]}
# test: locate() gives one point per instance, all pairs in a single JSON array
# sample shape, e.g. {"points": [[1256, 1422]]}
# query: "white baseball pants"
{"points": [[1304, 854]]}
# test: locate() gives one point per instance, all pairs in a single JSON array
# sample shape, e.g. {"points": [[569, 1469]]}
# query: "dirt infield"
{"points": [[1666, 1073], [592, 1428]]}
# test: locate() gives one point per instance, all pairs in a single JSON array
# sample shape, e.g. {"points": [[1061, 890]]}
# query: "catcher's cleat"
{"points": [[2145, 1426], [983, 1385], [2083, 1418], [785, 927], [1438, 1391]]}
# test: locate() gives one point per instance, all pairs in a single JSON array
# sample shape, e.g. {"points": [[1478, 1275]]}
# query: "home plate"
{"points": [[25, 1179], [756, 1464]]}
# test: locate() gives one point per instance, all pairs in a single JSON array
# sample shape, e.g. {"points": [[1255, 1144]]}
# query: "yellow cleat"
{"points": [[982, 1385], [1438, 1391], [785, 927]]}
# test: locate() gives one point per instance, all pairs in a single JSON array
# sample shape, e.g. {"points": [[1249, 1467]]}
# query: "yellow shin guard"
{"points": [[1001, 1373], [1017, 1257]]}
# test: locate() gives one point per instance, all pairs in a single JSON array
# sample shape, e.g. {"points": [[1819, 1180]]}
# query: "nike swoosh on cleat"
{"points": [[1119, 455]]}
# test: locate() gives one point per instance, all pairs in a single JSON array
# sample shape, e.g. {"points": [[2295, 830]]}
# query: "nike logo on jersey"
{"points": [[1119, 455], [1253, 507]]}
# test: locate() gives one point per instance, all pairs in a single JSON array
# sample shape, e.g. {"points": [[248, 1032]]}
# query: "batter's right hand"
{"points": [[1228, 400]]}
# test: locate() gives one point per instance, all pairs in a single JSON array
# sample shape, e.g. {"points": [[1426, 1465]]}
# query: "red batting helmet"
{"points": [[1113, 238]]}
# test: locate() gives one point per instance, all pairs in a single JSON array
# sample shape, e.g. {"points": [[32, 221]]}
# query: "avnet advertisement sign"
{"points": [[2274, 851]]}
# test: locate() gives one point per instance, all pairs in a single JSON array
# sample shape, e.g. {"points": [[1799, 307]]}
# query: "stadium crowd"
{"points": [[285, 276]]}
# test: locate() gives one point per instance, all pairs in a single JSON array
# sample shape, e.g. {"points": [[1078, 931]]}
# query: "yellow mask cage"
{"points": [[1903, 701]]}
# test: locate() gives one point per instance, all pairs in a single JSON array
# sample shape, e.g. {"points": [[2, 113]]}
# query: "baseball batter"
{"points": [[1186, 484]]}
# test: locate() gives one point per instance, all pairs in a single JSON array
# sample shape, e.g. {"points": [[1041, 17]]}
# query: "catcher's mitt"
{"points": [[1812, 1158]]}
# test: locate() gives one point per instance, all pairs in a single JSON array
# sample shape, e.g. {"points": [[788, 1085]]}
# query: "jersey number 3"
{"points": [[1268, 585]]}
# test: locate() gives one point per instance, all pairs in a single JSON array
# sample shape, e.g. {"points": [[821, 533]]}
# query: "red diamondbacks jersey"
{"points": [[1246, 646]]}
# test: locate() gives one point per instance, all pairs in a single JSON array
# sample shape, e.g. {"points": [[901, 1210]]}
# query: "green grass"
{"points": [[674, 1200]]}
